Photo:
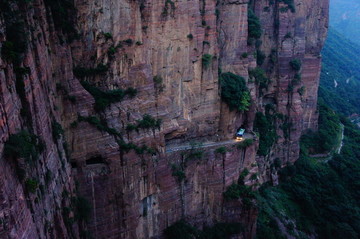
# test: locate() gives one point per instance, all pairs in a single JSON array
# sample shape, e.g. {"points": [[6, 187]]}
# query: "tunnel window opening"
{"points": [[73, 165], [146, 205], [95, 160]]}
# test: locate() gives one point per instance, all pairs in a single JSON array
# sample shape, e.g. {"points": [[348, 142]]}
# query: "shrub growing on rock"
{"points": [[265, 126], [221, 150], [260, 78], [57, 130], [206, 60], [244, 144], [31, 185], [254, 27], [23, 145], [104, 98], [295, 64], [234, 91]]}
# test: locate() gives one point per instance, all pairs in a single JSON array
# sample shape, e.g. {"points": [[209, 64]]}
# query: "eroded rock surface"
{"points": [[156, 47]]}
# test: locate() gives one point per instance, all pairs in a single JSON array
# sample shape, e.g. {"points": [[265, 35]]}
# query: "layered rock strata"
{"points": [[171, 53]]}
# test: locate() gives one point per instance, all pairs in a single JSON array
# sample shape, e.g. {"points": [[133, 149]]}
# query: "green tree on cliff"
{"points": [[234, 92]]}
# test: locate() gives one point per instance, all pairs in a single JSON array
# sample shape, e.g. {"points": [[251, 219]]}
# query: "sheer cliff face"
{"points": [[156, 47]]}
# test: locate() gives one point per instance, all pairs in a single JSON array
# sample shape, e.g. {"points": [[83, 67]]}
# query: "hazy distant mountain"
{"points": [[345, 18], [340, 76]]}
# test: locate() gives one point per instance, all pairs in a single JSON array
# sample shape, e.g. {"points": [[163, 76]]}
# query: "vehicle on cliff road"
{"points": [[240, 134]]}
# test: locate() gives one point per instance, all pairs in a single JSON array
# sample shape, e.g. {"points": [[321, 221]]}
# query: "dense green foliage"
{"points": [[57, 130], [254, 27], [290, 4], [264, 125], [126, 147], [23, 145], [237, 191], [221, 150], [31, 185], [158, 84], [245, 143], [107, 35], [259, 75], [241, 191], [321, 196], [147, 122], [315, 196], [193, 154], [82, 72], [169, 6], [295, 64], [63, 13], [340, 75], [221, 230], [178, 172], [206, 60], [317, 199], [104, 98], [14, 47], [234, 91], [328, 135], [183, 230]]}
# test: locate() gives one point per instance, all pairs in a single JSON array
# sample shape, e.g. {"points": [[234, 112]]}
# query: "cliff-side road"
{"points": [[187, 146]]}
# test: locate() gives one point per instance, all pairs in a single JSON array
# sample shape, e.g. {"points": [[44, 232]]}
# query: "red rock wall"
{"points": [[39, 214], [119, 185], [307, 28], [121, 193]]}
